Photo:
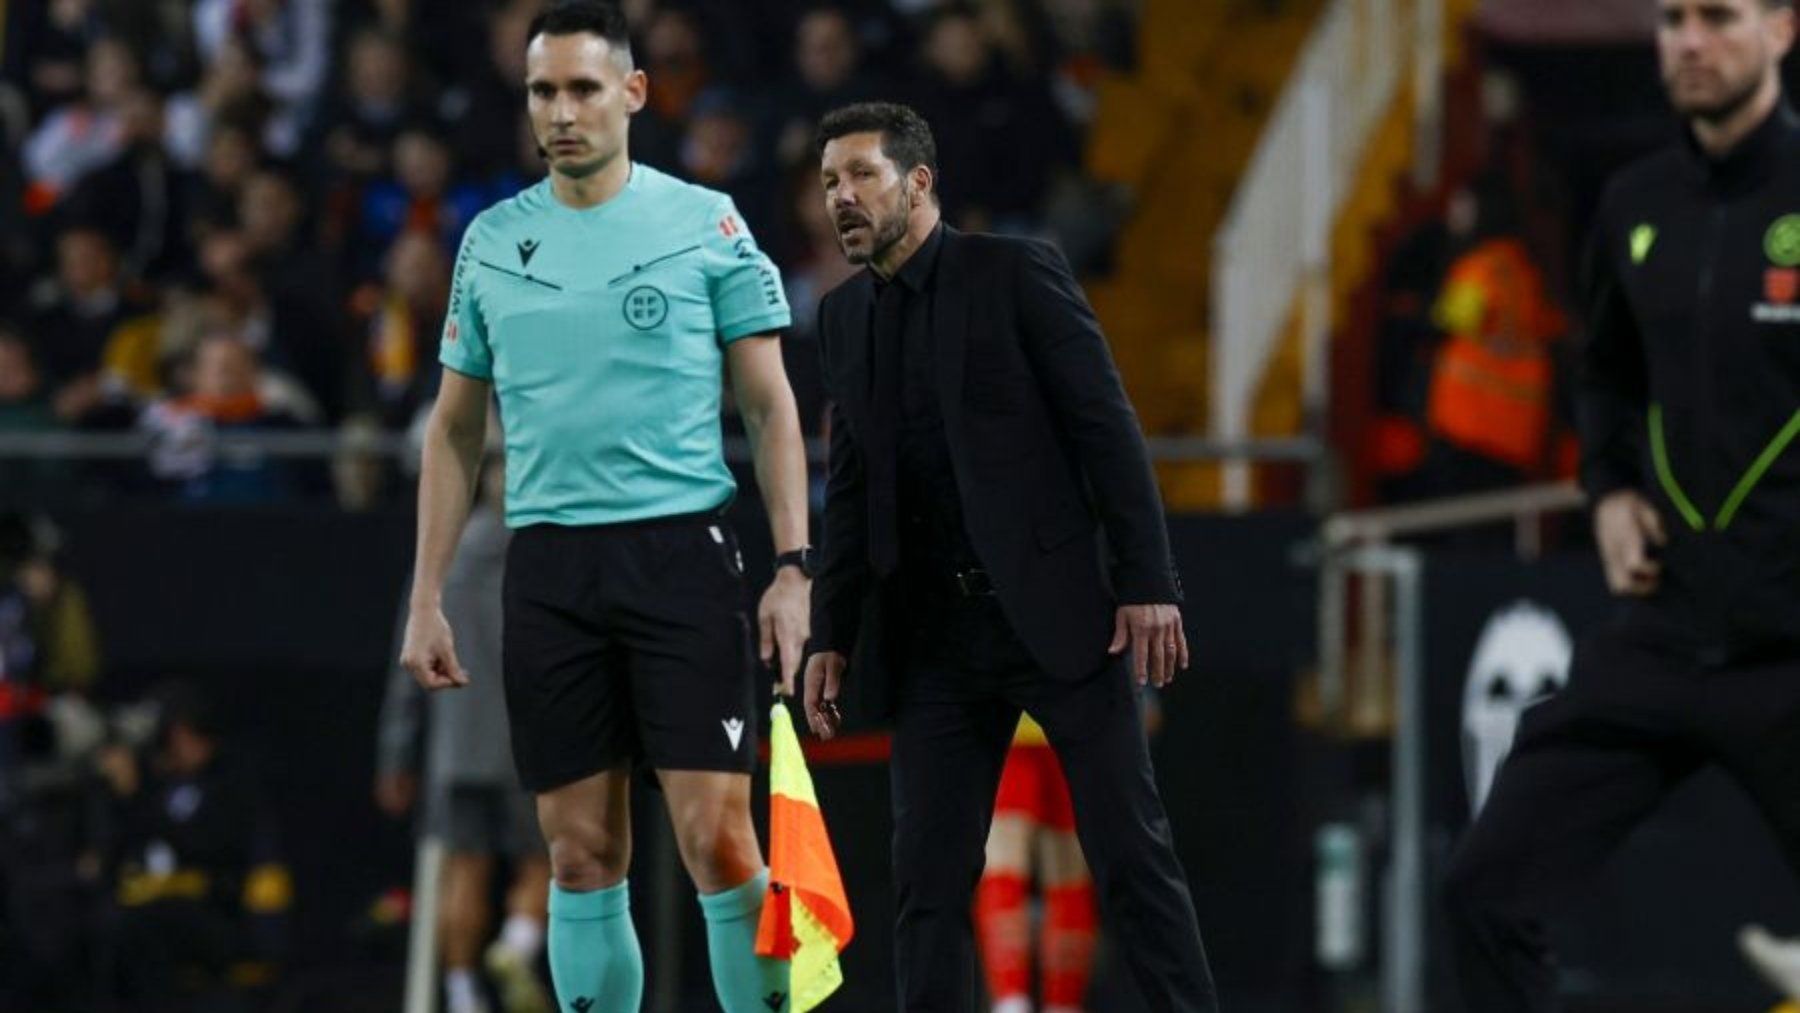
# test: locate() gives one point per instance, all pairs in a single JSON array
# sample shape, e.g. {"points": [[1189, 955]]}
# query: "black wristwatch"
{"points": [[801, 557]]}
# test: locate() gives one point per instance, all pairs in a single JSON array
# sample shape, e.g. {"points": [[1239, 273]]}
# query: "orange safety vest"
{"points": [[1491, 384]]}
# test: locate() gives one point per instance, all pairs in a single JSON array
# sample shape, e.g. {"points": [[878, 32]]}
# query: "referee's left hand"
{"points": [[785, 620]]}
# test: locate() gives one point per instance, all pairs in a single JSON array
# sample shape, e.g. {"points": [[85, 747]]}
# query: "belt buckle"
{"points": [[974, 583]]}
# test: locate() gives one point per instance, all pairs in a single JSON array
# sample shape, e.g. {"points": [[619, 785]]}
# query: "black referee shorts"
{"points": [[624, 643]]}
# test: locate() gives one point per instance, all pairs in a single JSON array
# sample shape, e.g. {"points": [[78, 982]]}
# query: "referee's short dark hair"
{"points": [[584, 17], [905, 136]]}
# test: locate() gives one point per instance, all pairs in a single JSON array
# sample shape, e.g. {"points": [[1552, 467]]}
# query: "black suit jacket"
{"points": [[1047, 453]]}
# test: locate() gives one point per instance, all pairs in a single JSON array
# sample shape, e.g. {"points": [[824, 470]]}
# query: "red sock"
{"points": [[1003, 930], [1068, 945]]}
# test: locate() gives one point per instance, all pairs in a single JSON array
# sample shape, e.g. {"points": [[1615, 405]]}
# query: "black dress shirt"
{"points": [[933, 542]]}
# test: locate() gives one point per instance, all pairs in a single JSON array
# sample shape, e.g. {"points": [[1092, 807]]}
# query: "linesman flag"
{"points": [[805, 916]]}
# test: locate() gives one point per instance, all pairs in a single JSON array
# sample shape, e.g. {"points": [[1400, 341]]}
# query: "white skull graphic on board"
{"points": [[1521, 657]]}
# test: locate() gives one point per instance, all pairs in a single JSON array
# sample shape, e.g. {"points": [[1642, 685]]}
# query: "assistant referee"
{"points": [[601, 306]]}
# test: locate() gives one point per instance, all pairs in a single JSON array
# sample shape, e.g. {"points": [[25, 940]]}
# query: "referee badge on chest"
{"points": [[646, 307]]}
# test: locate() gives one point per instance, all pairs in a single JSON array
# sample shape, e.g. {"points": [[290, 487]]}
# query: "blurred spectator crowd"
{"points": [[140, 865], [238, 215]]}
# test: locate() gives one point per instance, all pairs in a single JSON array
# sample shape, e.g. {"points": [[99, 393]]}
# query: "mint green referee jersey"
{"points": [[603, 331]]}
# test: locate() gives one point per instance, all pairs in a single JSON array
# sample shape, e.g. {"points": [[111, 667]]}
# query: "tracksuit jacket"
{"points": [[1690, 387]]}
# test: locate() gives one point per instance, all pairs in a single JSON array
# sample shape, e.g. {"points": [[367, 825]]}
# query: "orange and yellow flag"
{"points": [[806, 916]]}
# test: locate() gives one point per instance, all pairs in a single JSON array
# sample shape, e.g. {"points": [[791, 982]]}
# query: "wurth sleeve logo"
{"points": [[729, 227]]}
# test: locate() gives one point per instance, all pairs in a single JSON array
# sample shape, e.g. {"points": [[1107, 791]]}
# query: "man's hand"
{"points": [[429, 652], [785, 618], [824, 677], [1625, 527], [1158, 645], [395, 791]]}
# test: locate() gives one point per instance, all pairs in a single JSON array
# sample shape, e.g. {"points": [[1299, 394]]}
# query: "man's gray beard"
{"points": [[884, 235]]}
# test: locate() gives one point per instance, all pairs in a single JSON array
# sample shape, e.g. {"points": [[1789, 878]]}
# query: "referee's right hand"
{"points": [[429, 652]]}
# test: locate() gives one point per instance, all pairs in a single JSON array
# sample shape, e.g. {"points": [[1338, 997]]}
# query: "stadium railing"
{"points": [[1272, 257], [1359, 561]]}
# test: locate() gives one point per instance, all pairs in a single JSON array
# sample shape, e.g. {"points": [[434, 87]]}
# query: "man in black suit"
{"points": [[980, 443]]}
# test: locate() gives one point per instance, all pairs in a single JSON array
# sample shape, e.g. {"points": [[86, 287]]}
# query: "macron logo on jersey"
{"points": [[734, 730], [527, 247]]}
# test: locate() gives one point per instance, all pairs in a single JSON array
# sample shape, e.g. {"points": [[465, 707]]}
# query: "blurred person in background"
{"points": [[63, 653], [227, 395], [72, 322], [480, 106], [1490, 413], [213, 194], [229, 91], [718, 151], [422, 196], [403, 321], [1686, 401], [376, 102], [24, 401], [50, 41], [84, 133], [283, 253], [676, 58], [373, 100], [22, 694], [25, 407], [604, 306], [1001, 139], [201, 889], [1093, 37], [294, 331], [1033, 838], [49, 903], [828, 71], [136, 197], [292, 43], [471, 797], [66, 645]]}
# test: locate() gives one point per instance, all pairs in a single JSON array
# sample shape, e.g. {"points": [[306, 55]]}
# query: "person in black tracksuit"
{"points": [[1689, 398]]}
